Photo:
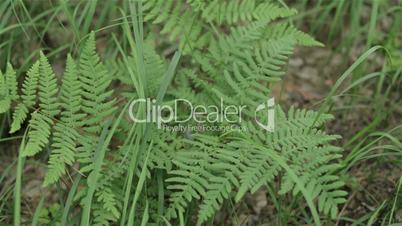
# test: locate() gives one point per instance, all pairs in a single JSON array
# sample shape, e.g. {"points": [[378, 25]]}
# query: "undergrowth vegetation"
{"points": [[67, 109]]}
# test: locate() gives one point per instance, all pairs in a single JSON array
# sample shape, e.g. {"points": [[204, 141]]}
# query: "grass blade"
{"points": [[38, 209], [140, 185], [69, 200], [18, 183]]}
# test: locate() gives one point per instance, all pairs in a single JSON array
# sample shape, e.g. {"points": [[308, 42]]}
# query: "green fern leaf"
{"points": [[38, 134], [66, 130], [19, 116], [178, 21], [4, 101], [107, 197], [3, 86], [29, 89], [235, 11], [48, 90], [42, 121], [11, 82], [95, 80], [8, 88], [4, 105]]}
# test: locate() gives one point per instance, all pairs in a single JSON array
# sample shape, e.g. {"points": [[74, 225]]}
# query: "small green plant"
{"points": [[232, 51]]}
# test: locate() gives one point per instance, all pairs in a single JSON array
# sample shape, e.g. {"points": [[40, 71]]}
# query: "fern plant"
{"points": [[66, 131], [234, 51], [8, 88]]}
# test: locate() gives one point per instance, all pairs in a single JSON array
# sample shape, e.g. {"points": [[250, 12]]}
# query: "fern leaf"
{"points": [[95, 80], [4, 101], [107, 197], [310, 157], [178, 21], [29, 89], [11, 82], [256, 170], [19, 116], [48, 90], [96, 103], [66, 130], [8, 88], [235, 11], [4, 105], [3, 86], [42, 121], [38, 134], [219, 190], [188, 182]]}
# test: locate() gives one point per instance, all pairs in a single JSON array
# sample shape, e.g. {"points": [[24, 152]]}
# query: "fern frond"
{"points": [[107, 197], [206, 172], [38, 134], [4, 101], [235, 11], [95, 80], [42, 121], [66, 130], [281, 30], [298, 118], [331, 195], [19, 116], [5, 104], [257, 169], [166, 145], [188, 182], [85, 153], [29, 91], [3, 85], [219, 189], [210, 170], [310, 157], [101, 216], [179, 22], [11, 82], [30, 86], [63, 152], [8, 88], [48, 89]]}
